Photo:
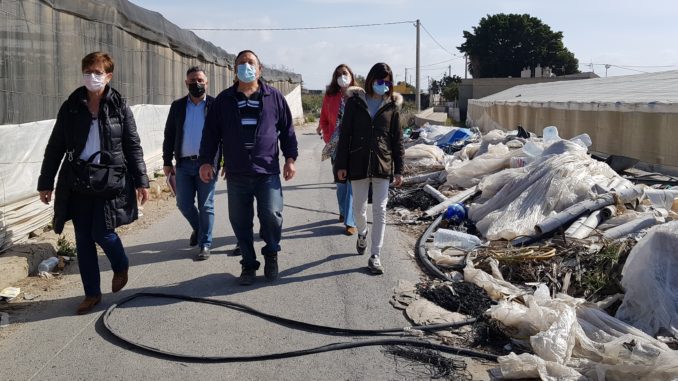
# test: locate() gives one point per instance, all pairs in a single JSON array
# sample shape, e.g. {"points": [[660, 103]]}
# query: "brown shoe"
{"points": [[119, 281], [350, 230], [87, 304]]}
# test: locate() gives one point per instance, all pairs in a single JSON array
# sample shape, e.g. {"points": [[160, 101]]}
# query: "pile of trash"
{"points": [[576, 258]]}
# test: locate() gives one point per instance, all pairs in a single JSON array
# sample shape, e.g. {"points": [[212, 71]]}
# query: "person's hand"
{"points": [[223, 172], [289, 170], [46, 196], [398, 181], [206, 173], [319, 131], [341, 174], [169, 170], [142, 195]]}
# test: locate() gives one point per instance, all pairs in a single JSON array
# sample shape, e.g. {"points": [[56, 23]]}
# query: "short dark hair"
{"points": [[378, 71], [333, 87], [98, 57], [195, 69], [247, 51]]}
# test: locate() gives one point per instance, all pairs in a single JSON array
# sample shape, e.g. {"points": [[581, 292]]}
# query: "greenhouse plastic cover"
{"points": [[44, 42], [153, 26], [654, 91], [633, 116]]}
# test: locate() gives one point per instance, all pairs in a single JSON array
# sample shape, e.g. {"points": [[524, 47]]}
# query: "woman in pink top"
{"points": [[330, 122]]}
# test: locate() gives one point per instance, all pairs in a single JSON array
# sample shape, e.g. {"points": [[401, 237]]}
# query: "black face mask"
{"points": [[196, 89]]}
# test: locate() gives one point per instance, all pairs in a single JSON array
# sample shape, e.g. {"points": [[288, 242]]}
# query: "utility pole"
{"points": [[417, 96], [405, 77], [465, 66], [449, 70]]}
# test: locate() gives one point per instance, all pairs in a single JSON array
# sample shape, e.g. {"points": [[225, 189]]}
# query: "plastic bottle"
{"points": [[532, 150], [550, 135], [48, 265], [583, 140], [451, 238]]}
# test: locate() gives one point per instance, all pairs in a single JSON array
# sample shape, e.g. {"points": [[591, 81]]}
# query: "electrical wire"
{"points": [[433, 64], [296, 325], [303, 28], [438, 43]]}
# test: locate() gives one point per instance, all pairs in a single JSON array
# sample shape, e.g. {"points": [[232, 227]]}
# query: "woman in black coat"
{"points": [[95, 122], [370, 152]]}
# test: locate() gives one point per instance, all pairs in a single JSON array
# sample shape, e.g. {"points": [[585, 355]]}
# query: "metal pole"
{"points": [[417, 95], [449, 70], [465, 66], [405, 76]]}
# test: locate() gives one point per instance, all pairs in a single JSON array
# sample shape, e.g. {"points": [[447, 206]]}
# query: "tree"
{"points": [[447, 86], [503, 44]]}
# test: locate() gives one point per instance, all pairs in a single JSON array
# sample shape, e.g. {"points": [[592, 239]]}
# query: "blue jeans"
{"points": [[188, 185], [345, 201], [90, 229], [242, 190]]}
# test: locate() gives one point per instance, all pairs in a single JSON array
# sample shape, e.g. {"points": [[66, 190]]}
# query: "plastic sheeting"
{"points": [[523, 197], [631, 116], [650, 278], [42, 43], [569, 333]]}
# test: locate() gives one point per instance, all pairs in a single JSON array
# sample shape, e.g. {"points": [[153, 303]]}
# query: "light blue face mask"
{"points": [[247, 73], [379, 89]]}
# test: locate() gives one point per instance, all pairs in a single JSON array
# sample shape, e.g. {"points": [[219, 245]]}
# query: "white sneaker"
{"points": [[374, 264], [361, 243]]}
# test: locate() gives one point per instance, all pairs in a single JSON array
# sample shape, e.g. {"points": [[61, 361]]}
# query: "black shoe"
{"points": [[203, 254], [193, 241], [271, 267], [236, 252], [247, 277]]}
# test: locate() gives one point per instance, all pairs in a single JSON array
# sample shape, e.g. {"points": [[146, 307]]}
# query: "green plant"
{"points": [[311, 104], [65, 248], [310, 119]]}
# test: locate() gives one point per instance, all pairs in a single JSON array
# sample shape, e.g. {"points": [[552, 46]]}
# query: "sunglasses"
{"points": [[381, 82]]}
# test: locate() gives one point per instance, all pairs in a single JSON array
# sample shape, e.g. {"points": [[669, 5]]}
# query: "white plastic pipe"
{"points": [[630, 227], [435, 193], [575, 225], [592, 221], [459, 197]]}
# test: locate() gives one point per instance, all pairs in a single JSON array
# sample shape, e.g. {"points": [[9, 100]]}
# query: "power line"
{"points": [[433, 64], [438, 43], [626, 66], [303, 28]]}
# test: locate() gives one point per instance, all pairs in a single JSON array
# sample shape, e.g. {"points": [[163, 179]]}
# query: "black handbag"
{"points": [[100, 180]]}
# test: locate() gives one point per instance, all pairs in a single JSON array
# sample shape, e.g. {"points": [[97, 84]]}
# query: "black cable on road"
{"points": [[297, 325]]}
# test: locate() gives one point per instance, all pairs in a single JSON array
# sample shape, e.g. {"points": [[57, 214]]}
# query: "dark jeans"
{"points": [[90, 229], [242, 190], [189, 186]]}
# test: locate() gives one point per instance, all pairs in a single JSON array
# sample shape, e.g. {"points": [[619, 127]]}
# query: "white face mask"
{"points": [[94, 82], [344, 80]]}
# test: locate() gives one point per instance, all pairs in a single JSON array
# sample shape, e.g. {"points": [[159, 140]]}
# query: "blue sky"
{"points": [[634, 34]]}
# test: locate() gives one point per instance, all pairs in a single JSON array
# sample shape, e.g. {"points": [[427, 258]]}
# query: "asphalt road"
{"points": [[323, 281]]}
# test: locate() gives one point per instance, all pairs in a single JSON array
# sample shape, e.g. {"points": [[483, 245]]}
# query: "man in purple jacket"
{"points": [[249, 118]]}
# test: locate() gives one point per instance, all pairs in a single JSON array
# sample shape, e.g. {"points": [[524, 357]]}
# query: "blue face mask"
{"points": [[380, 89], [247, 73]]}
